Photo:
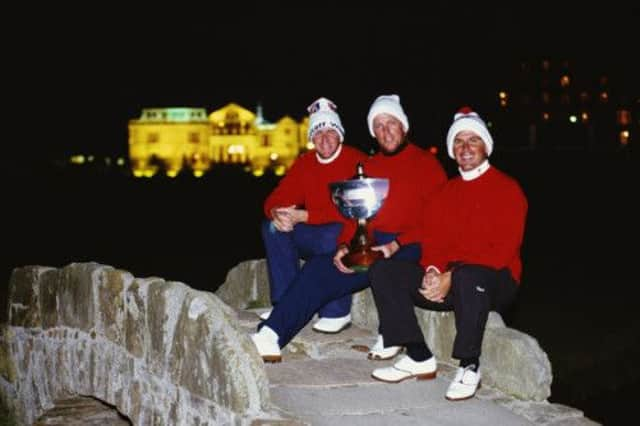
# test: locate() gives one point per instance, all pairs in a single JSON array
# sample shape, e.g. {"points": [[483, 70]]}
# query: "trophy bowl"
{"points": [[360, 198]]}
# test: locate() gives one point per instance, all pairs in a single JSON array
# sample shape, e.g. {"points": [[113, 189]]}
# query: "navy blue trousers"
{"points": [[318, 283], [475, 290], [284, 251]]}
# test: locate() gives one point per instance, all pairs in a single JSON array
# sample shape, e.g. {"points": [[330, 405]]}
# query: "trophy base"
{"points": [[361, 260]]}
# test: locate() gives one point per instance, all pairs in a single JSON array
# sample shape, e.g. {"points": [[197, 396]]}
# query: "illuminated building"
{"points": [[172, 139]]}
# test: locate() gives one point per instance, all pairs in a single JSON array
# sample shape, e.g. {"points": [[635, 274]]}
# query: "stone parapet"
{"points": [[158, 351]]}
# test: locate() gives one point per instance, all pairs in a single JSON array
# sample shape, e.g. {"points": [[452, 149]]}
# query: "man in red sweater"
{"points": [[414, 175], [470, 263], [302, 221]]}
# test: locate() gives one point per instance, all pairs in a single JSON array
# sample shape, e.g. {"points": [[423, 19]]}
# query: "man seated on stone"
{"points": [[302, 221], [414, 174], [470, 262]]}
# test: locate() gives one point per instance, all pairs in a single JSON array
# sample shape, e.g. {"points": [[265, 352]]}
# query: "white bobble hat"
{"points": [[387, 104], [322, 114], [467, 119]]}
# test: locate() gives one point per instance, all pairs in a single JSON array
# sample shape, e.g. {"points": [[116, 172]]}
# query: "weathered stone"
{"points": [[135, 317], [111, 313], [164, 301], [76, 307], [24, 296], [49, 298], [160, 352], [7, 367], [246, 286]]}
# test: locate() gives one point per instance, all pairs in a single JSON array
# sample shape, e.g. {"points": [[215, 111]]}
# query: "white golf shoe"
{"points": [[266, 341], [407, 368], [464, 385], [332, 325], [379, 353]]}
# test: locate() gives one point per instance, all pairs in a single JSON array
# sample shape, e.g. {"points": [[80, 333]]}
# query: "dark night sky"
{"points": [[95, 69]]}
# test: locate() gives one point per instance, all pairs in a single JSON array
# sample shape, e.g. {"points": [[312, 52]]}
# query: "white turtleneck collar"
{"points": [[330, 159], [475, 173]]}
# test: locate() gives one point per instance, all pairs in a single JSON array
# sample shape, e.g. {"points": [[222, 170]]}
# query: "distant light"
{"points": [[148, 173], [489, 124], [235, 149], [120, 161], [623, 117], [565, 81], [502, 95], [77, 159], [90, 158], [624, 137], [604, 96], [584, 116], [279, 170], [138, 173], [273, 156], [433, 150], [573, 118], [258, 172], [172, 173], [198, 173], [503, 103], [310, 146], [546, 116]]}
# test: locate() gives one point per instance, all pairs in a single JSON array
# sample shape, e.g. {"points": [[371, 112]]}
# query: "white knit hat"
{"points": [[322, 114], [387, 104], [467, 119]]}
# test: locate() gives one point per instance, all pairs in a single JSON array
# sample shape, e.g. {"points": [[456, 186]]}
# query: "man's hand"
{"points": [[388, 249], [337, 259], [435, 286], [285, 218]]}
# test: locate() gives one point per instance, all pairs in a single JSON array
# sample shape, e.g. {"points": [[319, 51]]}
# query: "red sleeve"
{"points": [[290, 189]]}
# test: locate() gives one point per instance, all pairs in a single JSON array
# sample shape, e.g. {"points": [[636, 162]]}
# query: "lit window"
{"points": [[546, 65], [624, 137], [623, 117]]}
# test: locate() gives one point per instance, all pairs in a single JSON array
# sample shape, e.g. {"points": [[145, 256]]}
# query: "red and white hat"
{"points": [[322, 114], [467, 119]]}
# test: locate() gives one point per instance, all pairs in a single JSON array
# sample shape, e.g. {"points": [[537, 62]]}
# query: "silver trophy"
{"points": [[360, 198]]}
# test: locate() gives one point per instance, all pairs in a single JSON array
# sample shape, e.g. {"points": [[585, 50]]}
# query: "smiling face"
{"points": [[389, 132], [469, 150], [326, 142]]}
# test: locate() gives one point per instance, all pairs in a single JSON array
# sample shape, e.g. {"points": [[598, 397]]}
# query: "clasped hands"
{"points": [[435, 286]]}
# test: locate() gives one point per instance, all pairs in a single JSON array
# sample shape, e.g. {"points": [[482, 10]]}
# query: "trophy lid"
{"points": [[359, 198]]}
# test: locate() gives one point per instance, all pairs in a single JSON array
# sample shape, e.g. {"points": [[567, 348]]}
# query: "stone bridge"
{"points": [[162, 353]]}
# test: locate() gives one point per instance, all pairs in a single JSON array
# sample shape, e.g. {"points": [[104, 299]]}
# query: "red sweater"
{"points": [[414, 175], [306, 185], [480, 221]]}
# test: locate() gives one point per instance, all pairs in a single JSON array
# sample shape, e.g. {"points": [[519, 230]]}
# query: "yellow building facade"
{"points": [[170, 140]]}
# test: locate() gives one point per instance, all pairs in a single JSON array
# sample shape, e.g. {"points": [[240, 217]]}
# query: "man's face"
{"points": [[389, 132], [469, 150], [326, 142]]}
